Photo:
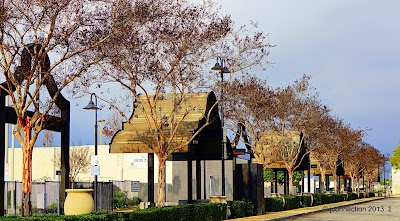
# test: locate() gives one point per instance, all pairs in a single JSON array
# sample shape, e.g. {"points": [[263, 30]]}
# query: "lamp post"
{"points": [[222, 70], [93, 106]]}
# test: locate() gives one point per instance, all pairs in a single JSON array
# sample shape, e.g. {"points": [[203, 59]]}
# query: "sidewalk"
{"points": [[306, 210]]}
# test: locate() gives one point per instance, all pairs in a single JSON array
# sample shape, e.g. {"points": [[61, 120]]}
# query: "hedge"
{"points": [[305, 201], [241, 209], [195, 212], [273, 204], [291, 202]]}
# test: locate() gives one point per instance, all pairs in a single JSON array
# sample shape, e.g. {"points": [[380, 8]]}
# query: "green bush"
{"points": [[195, 212], [361, 195], [305, 201], [241, 209], [328, 198], [317, 199], [371, 194], [273, 204], [52, 208], [291, 202], [352, 196], [120, 200]]}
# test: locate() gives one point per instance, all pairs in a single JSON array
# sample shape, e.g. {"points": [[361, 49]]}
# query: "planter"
{"points": [[218, 199], [78, 201]]}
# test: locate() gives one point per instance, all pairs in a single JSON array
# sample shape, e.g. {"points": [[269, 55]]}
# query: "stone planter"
{"points": [[218, 199], [78, 201]]}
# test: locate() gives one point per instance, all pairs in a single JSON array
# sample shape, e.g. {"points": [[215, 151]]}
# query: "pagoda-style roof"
{"points": [[315, 167], [188, 111], [272, 139]]}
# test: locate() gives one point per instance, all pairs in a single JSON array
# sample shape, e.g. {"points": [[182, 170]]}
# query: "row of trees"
{"points": [[260, 108]]}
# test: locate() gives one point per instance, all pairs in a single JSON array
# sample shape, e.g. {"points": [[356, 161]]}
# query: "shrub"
{"points": [[291, 202], [327, 198], [305, 201], [120, 199], [371, 194], [52, 208], [195, 212], [273, 204], [241, 209], [317, 199], [352, 196]]}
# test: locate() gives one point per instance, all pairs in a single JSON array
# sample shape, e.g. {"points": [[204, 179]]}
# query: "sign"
{"points": [[95, 170], [313, 165], [245, 156], [137, 160], [94, 160], [135, 186]]}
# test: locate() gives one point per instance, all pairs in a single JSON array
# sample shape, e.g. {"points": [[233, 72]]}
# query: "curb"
{"points": [[325, 207]]}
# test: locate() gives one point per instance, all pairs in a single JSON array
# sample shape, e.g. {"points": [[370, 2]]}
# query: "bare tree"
{"points": [[246, 102], [47, 139], [31, 31], [165, 54], [79, 160], [294, 115]]}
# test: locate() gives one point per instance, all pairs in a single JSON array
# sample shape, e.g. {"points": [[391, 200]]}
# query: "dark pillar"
{"points": [[285, 182], [309, 180], [65, 135], [198, 178], [150, 177], [250, 181], [2, 148], [189, 178], [302, 181], [326, 182], [205, 180], [338, 189], [276, 180]]}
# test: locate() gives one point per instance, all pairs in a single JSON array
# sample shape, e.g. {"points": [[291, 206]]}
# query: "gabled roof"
{"points": [[271, 139], [168, 110]]}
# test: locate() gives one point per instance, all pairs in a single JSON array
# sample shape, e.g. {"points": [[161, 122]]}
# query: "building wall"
{"points": [[395, 181], [129, 167]]}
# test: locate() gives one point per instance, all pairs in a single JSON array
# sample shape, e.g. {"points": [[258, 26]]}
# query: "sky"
{"points": [[350, 48]]}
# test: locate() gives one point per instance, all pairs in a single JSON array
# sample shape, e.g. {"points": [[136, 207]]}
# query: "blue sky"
{"points": [[350, 48]]}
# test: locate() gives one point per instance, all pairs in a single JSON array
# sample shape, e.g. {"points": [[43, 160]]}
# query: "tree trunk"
{"points": [[290, 174], [352, 184], [26, 209], [322, 183], [335, 184], [161, 181]]}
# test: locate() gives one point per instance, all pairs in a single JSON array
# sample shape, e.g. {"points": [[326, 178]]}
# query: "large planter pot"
{"points": [[78, 201], [218, 199]]}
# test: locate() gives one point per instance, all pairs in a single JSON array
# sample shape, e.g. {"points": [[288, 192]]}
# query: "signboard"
{"points": [[245, 156], [95, 170], [313, 165], [135, 186], [137, 160], [94, 160]]}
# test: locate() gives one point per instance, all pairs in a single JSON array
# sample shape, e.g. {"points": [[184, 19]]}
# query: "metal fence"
{"points": [[44, 196]]}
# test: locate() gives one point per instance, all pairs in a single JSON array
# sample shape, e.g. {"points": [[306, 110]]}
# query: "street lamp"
{"points": [[222, 70], [93, 106]]}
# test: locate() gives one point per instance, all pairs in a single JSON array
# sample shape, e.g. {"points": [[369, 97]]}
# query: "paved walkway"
{"points": [[281, 215]]}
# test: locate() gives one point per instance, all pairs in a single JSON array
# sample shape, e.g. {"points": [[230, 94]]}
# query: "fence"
{"points": [[44, 196]]}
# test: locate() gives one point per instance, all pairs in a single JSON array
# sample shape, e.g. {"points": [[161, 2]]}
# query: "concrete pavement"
{"points": [[282, 215]]}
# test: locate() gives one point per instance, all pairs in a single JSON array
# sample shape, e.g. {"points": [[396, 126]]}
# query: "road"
{"points": [[381, 210]]}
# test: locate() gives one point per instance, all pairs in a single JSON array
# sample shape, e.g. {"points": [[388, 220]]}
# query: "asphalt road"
{"points": [[381, 210]]}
